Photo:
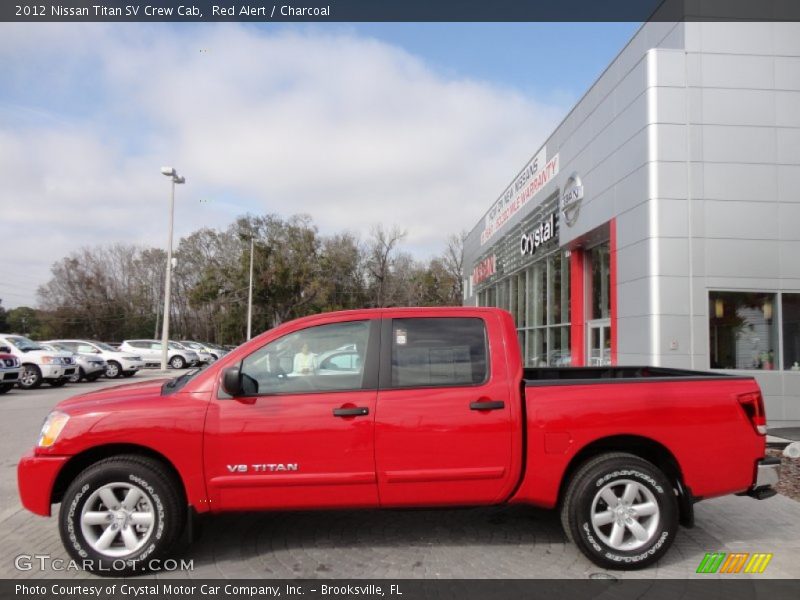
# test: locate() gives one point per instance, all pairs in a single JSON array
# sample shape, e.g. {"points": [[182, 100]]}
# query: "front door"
{"points": [[303, 435], [599, 343], [443, 429]]}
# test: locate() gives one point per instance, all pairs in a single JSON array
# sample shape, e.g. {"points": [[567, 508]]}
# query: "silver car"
{"points": [[91, 367], [207, 355], [178, 357]]}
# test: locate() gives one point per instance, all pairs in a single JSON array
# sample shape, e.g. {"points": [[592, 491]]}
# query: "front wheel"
{"points": [[5, 387], [77, 375], [57, 382], [30, 378], [127, 374], [120, 514], [113, 369], [621, 511]]}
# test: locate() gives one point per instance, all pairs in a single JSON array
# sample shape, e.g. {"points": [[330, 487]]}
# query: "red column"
{"points": [[576, 312], [613, 291]]}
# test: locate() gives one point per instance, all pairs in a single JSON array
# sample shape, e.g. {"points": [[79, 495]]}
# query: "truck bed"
{"points": [[572, 375]]}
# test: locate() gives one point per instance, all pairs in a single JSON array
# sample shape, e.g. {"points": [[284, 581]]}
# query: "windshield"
{"points": [[23, 344], [105, 347]]}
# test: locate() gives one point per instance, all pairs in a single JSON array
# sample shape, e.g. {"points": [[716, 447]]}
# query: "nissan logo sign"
{"points": [[571, 198]]}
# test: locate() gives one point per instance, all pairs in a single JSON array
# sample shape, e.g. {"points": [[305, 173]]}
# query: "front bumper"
{"points": [[10, 375], [52, 371], [35, 478]]}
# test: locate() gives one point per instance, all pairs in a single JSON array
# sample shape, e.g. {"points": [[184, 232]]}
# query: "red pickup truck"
{"points": [[392, 408]]}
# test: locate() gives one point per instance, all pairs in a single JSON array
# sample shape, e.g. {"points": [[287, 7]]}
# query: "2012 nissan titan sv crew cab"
{"points": [[397, 408]]}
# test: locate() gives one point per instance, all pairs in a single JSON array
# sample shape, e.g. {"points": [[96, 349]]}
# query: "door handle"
{"points": [[358, 411], [487, 405]]}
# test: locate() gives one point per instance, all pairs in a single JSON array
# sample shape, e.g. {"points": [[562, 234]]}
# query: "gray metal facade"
{"points": [[690, 141]]}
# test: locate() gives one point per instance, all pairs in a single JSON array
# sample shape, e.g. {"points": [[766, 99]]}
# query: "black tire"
{"points": [[57, 382], [215, 357], [77, 376], [617, 473], [5, 387], [128, 374], [95, 376], [177, 362], [113, 370], [30, 378], [161, 499]]}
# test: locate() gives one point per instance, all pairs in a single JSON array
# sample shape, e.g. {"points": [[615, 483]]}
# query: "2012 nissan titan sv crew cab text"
{"points": [[396, 408]]}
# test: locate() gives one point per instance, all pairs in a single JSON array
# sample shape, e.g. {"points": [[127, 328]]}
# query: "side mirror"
{"points": [[232, 381]]}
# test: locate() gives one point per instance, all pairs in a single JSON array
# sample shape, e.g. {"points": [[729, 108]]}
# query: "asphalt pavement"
{"points": [[495, 542]]}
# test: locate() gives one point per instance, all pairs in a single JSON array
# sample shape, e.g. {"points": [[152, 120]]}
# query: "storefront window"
{"points": [[743, 332], [538, 299], [791, 331], [600, 283]]}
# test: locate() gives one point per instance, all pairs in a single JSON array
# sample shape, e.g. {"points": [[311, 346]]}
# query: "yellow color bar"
{"points": [[758, 563]]}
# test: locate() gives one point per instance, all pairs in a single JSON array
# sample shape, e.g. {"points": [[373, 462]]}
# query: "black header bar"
{"points": [[265, 11]]}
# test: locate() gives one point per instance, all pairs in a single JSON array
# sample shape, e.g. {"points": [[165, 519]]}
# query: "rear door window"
{"points": [[440, 351]]}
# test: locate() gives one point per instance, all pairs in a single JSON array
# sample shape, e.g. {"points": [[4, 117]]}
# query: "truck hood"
{"points": [[117, 397]]}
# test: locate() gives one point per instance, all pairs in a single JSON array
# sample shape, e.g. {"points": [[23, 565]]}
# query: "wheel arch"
{"points": [[88, 457], [645, 448]]}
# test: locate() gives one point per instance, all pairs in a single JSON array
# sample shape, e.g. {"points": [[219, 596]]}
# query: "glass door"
{"points": [[599, 343]]}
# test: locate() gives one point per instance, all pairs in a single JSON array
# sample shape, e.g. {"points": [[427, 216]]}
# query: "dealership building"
{"points": [[659, 224]]}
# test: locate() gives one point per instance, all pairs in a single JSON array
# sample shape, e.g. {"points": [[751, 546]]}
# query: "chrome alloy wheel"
{"points": [[625, 515], [117, 519], [28, 377]]}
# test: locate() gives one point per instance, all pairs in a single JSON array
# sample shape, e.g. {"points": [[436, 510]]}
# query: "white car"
{"points": [[118, 362], [10, 369], [38, 365], [178, 357]]}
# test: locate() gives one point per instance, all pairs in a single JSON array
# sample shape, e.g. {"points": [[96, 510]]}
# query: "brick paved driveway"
{"points": [[516, 542]]}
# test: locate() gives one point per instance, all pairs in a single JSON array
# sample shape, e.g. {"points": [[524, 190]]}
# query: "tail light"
{"points": [[753, 406]]}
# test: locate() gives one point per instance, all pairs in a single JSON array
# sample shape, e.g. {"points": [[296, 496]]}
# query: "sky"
{"points": [[419, 125]]}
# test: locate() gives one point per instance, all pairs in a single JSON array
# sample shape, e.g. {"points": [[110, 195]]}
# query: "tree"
{"points": [[3, 321], [380, 261]]}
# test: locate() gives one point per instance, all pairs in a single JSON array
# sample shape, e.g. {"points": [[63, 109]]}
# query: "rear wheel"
{"points": [[57, 382], [113, 369], [31, 377], [94, 376], [621, 511], [128, 373], [177, 362], [120, 514]]}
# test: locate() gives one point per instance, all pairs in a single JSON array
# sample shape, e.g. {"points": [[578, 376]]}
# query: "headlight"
{"points": [[52, 427], [51, 360]]}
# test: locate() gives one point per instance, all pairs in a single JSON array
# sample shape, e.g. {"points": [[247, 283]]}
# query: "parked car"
{"points": [[440, 412], [204, 356], [10, 369], [38, 365], [208, 353], [178, 357], [118, 363], [91, 366]]}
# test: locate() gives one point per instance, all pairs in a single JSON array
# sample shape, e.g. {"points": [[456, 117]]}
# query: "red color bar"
{"points": [[613, 290], [576, 313]]}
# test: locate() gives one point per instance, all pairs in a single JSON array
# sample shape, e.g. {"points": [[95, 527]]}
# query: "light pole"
{"points": [[250, 293], [172, 173]]}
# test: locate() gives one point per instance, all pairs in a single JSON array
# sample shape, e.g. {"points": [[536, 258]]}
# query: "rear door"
{"points": [[443, 425]]}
